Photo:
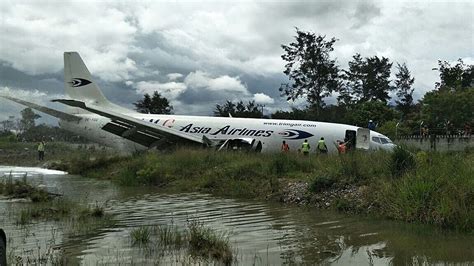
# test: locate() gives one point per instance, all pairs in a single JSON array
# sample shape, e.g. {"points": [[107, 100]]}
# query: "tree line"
{"points": [[362, 90]]}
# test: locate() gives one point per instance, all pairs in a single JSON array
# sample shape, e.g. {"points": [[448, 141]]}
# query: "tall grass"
{"points": [[199, 241], [21, 188], [440, 192], [140, 235]]}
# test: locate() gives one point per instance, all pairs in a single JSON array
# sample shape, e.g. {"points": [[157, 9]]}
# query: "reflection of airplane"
{"points": [[94, 117]]}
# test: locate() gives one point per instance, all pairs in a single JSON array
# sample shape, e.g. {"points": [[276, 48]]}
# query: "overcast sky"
{"points": [[198, 53]]}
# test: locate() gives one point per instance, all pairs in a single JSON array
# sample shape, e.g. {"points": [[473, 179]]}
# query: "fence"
{"points": [[437, 142]]}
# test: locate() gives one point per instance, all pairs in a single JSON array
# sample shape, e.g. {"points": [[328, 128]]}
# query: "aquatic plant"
{"points": [[205, 242], [21, 188], [140, 235], [169, 235]]}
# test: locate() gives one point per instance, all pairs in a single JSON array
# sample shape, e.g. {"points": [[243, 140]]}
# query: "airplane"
{"points": [[93, 116]]}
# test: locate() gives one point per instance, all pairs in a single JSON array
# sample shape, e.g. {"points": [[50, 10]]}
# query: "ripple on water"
{"points": [[261, 232]]}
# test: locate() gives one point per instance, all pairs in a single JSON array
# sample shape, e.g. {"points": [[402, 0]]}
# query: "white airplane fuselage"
{"points": [[270, 132]]}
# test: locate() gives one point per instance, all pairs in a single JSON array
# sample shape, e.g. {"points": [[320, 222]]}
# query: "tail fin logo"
{"points": [[78, 82]]}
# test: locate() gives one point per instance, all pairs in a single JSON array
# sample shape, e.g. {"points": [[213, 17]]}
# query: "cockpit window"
{"points": [[385, 141], [376, 139]]}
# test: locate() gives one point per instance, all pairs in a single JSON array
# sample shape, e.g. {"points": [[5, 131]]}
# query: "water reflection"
{"points": [[261, 233]]}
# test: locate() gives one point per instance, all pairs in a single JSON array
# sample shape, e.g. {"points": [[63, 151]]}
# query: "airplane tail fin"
{"points": [[78, 81]]}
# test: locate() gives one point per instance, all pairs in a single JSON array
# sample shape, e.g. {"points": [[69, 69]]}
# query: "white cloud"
{"points": [[174, 76], [27, 95], [200, 79], [170, 90], [35, 34], [262, 98], [221, 44]]}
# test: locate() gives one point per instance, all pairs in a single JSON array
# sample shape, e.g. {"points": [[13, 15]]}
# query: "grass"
{"points": [[22, 189], [205, 242], [199, 241], [59, 209], [170, 236], [140, 235], [25, 153], [44, 205]]}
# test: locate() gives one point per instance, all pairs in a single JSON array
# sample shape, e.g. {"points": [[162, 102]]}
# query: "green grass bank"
{"points": [[26, 154], [428, 188]]}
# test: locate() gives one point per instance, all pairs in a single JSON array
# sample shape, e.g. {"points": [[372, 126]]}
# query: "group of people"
{"points": [[321, 147]]}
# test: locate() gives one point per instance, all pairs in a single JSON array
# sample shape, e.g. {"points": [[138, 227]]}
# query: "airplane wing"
{"points": [[139, 131], [44, 109]]}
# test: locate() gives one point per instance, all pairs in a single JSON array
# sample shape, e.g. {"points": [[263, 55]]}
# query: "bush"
{"points": [[402, 162]]}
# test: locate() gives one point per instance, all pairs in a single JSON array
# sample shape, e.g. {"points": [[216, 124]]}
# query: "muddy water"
{"points": [[260, 233]]}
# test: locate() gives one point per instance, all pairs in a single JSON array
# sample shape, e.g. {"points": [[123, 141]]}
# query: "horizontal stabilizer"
{"points": [[46, 110]]}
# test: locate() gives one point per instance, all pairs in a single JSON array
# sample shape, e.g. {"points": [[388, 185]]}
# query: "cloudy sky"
{"points": [[198, 53]]}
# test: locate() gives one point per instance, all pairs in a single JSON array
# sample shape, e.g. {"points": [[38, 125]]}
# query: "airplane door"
{"points": [[363, 138], [350, 139]]}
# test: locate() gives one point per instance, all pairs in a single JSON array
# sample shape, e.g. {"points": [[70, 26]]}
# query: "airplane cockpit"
{"points": [[381, 142]]}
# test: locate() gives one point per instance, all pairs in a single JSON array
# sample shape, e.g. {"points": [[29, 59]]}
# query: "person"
{"points": [[371, 125], [341, 147], [285, 147], [305, 148], [467, 130], [348, 144], [426, 131], [41, 150], [322, 148]]}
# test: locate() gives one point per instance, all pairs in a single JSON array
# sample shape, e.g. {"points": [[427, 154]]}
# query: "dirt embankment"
{"points": [[349, 198]]}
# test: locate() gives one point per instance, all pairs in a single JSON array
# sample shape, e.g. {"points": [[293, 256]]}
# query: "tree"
{"points": [[28, 118], [294, 114], [225, 110], [9, 124], [366, 80], [155, 104], [359, 114], [403, 84], [457, 77], [439, 107], [239, 109], [309, 67]]}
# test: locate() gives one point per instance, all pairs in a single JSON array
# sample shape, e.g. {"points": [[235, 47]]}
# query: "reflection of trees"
{"points": [[309, 240]]}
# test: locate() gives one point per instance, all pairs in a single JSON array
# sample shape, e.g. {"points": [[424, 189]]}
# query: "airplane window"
{"points": [[376, 139], [384, 140], [151, 120]]}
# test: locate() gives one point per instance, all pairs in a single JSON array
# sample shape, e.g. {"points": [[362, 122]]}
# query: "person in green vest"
{"points": [[305, 148], [41, 151], [322, 148]]}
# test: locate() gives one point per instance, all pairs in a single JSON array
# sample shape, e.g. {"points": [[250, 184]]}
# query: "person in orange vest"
{"points": [[285, 147], [341, 147]]}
